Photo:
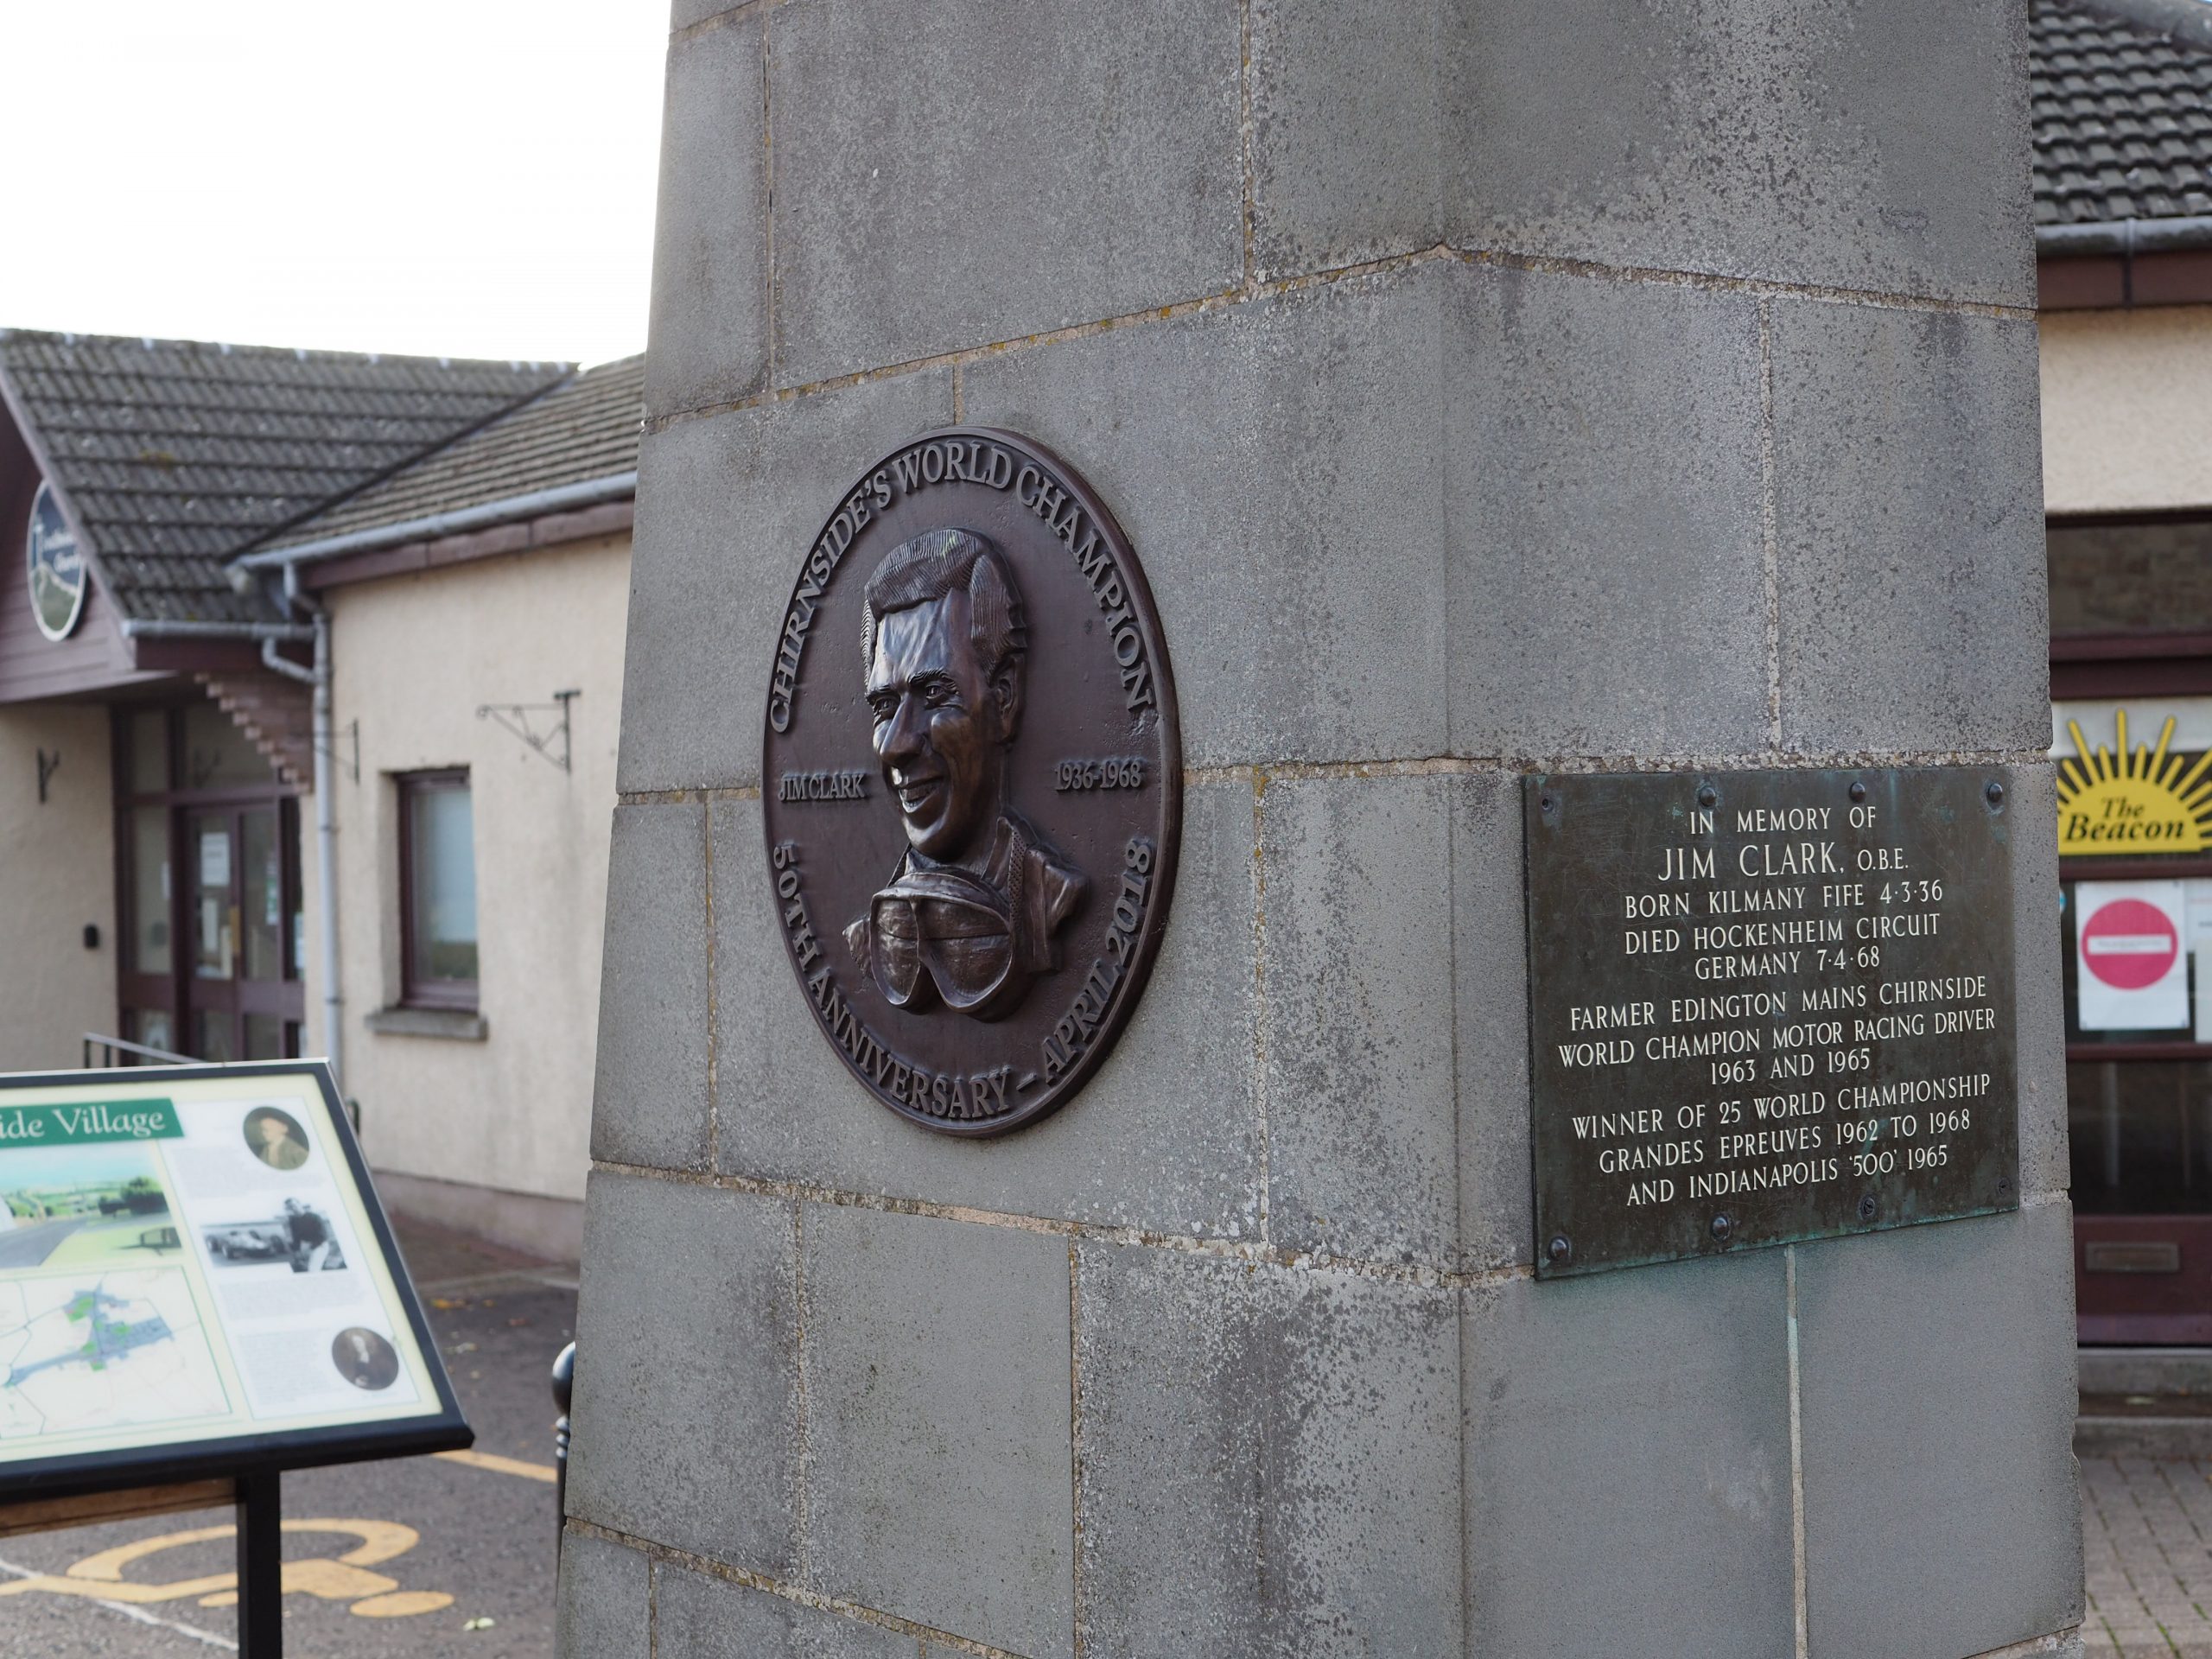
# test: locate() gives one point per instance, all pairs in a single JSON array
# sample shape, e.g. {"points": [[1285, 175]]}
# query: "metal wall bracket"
{"points": [[516, 717], [354, 737], [47, 766]]}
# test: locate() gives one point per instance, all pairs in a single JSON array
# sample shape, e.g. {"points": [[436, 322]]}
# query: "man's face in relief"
{"points": [[941, 727]]}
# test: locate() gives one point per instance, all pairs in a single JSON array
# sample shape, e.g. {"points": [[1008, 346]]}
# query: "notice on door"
{"points": [[190, 1256], [1768, 1005], [2132, 941]]}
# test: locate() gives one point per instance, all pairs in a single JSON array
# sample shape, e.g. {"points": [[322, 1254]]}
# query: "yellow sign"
{"points": [[2146, 801]]}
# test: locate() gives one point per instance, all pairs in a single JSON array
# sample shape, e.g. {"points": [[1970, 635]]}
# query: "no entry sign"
{"points": [[2134, 974]]}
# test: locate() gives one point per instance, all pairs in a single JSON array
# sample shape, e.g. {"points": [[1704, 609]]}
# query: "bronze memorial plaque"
{"points": [[972, 780], [1764, 1007]]}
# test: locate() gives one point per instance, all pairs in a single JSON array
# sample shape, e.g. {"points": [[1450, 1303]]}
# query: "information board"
{"points": [[1766, 1006], [196, 1280]]}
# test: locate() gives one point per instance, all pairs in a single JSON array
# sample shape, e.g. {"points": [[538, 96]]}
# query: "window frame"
{"points": [[417, 990]]}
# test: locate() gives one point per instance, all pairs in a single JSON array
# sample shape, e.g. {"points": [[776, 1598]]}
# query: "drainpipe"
{"points": [[326, 815]]}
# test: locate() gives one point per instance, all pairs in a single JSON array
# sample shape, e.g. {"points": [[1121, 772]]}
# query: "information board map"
{"points": [[185, 1259], [1766, 1006]]}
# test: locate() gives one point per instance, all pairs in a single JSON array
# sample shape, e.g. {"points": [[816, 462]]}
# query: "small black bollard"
{"points": [[564, 1383]]}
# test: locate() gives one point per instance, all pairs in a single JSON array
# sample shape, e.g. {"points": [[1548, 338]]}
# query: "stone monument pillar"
{"points": [[1487, 390]]}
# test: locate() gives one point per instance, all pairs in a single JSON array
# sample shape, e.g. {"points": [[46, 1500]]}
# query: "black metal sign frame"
{"points": [[248, 1458]]}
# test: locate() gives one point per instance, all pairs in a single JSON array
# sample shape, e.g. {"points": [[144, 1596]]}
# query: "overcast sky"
{"points": [[463, 178]]}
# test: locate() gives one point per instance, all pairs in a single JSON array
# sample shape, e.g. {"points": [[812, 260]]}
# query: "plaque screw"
{"points": [[1993, 793], [1866, 1207], [1722, 1227], [1858, 790], [1547, 803], [1708, 796], [1559, 1248]]}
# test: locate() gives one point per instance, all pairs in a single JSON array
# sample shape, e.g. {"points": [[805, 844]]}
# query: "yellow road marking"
{"points": [[499, 1465], [341, 1579]]}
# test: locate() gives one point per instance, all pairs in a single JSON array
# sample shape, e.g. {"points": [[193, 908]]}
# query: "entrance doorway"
{"points": [[209, 890]]}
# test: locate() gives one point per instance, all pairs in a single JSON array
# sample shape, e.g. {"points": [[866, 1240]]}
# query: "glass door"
{"points": [[210, 889]]}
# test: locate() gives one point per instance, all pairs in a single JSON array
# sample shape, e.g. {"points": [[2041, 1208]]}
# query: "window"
{"points": [[438, 890]]}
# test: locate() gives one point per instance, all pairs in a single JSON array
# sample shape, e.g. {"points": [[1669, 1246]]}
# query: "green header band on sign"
{"points": [[75, 1126]]}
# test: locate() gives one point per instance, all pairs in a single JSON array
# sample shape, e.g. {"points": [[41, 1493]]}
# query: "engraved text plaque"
{"points": [[1764, 1007]]}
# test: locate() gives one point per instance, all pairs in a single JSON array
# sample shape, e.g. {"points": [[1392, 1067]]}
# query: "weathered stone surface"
{"points": [[1277, 468], [1880, 146], [1605, 589], [650, 1096], [686, 1400], [1266, 1463], [1362, 1122], [606, 1600], [1937, 1356], [2039, 990], [1165, 1136], [1348, 125], [1489, 996], [1908, 515], [996, 173], [938, 1424], [728, 506], [709, 331], [1628, 1463], [697, 1616]]}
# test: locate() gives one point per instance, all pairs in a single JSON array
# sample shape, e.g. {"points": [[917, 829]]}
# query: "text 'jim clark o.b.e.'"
{"points": [[971, 780], [1765, 1006]]}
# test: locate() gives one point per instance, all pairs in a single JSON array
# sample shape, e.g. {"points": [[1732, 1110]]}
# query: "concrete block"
{"points": [[1268, 1460], [938, 1424], [2039, 989], [707, 336], [649, 1096], [1362, 1120], [686, 14], [1628, 1463], [1490, 996], [1348, 133], [696, 1617], [1940, 1512], [692, 1444], [606, 1603], [1277, 466], [728, 506], [982, 174], [1876, 146], [1165, 1136], [1909, 516], [1606, 590]]}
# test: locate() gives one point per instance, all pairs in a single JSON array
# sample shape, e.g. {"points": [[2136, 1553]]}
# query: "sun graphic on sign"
{"points": [[2141, 801]]}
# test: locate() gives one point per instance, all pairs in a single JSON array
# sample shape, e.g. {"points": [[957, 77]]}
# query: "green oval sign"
{"points": [[55, 566]]}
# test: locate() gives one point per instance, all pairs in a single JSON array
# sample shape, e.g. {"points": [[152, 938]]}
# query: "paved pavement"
{"points": [[2146, 1536], [384, 1561]]}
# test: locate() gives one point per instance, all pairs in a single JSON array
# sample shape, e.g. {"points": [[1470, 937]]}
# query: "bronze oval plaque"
{"points": [[971, 780]]}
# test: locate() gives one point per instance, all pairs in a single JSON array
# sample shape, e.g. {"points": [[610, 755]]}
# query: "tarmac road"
{"points": [[479, 1533], [26, 1247]]}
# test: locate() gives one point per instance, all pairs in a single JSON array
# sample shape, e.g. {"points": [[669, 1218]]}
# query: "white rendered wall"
{"points": [[57, 875], [2128, 409], [414, 659]]}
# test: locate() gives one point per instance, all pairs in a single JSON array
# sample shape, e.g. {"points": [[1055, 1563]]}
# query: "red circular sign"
{"points": [[2129, 944]]}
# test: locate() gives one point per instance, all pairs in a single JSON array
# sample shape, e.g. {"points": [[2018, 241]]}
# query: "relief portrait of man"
{"points": [[969, 914]]}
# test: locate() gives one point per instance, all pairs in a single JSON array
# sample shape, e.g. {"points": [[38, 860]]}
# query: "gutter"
{"points": [[154, 627], [2126, 238], [536, 504]]}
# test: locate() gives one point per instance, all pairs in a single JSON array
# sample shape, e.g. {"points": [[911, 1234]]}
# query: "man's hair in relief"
{"points": [[935, 564]]}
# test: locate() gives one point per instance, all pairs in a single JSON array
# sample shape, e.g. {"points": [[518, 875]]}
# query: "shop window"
{"points": [[2143, 577], [437, 890]]}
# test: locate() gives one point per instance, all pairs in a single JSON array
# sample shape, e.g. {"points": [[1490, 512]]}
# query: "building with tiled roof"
{"points": [[172, 456]]}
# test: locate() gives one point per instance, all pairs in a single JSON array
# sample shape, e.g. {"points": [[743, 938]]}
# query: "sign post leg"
{"points": [[261, 1569]]}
